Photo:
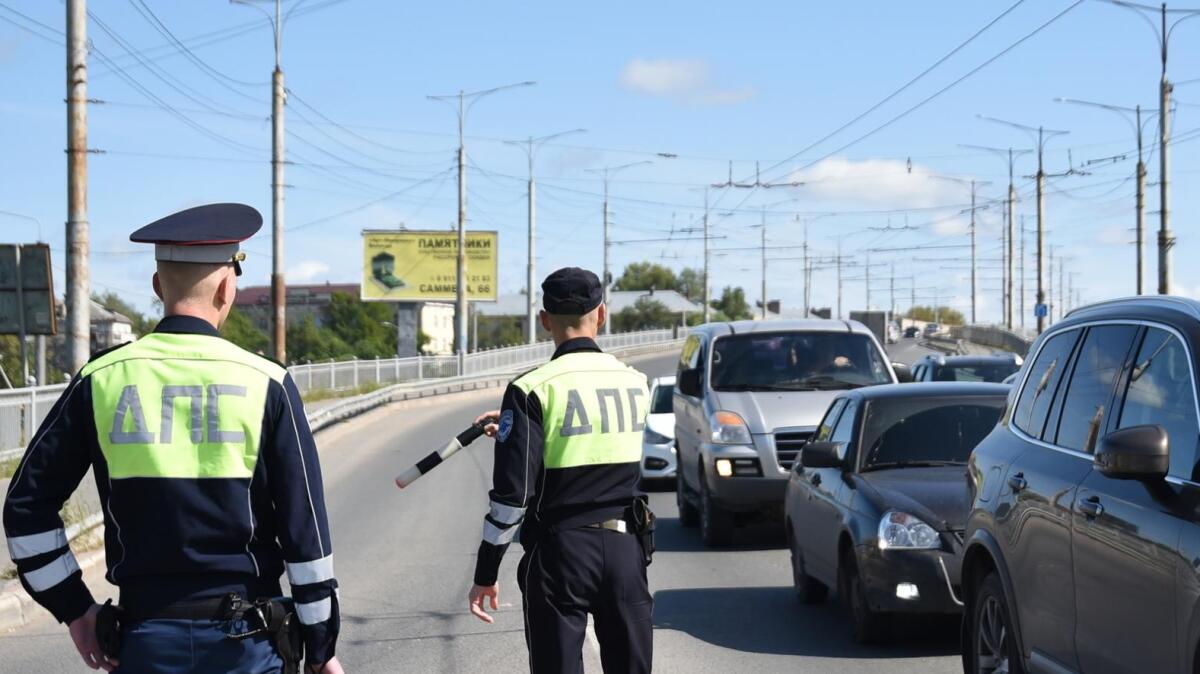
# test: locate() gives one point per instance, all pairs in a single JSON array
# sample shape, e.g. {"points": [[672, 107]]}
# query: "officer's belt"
{"points": [[619, 526], [215, 608]]}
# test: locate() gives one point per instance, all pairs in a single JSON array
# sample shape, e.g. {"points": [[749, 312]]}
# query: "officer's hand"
{"points": [[478, 594], [491, 427], [83, 633], [330, 667]]}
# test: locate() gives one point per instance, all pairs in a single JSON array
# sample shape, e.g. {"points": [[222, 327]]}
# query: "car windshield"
{"points": [[802, 361], [662, 399], [925, 431], [983, 372]]}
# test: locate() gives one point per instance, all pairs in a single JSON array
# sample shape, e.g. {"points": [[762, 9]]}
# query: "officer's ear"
{"points": [[227, 289], [544, 319], [157, 286], [601, 315]]}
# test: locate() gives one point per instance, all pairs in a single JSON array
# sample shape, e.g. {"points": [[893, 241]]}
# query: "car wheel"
{"points": [[716, 523], [809, 590], [867, 626], [993, 647], [688, 516]]}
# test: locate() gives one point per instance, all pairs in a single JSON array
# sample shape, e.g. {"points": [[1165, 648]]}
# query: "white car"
{"points": [[658, 438]]}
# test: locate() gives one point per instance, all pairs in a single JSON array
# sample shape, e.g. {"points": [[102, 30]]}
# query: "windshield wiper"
{"points": [[756, 387], [910, 464]]}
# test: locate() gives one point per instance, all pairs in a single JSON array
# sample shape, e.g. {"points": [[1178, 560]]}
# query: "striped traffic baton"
{"points": [[434, 458]]}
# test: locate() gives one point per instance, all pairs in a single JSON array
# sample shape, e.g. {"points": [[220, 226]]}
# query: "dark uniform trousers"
{"points": [[564, 576]]}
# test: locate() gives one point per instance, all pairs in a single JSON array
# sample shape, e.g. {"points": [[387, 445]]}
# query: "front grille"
{"points": [[788, 445]]}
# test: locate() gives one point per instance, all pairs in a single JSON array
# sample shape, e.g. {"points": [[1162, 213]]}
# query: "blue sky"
{"points": [[706, 82]]}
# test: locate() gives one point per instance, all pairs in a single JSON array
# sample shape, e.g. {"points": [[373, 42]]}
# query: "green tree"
{"points": [[944, 315], [307, 342], [240, 330], [365, 326], [646, 275], [645, 314], [141, 323], [497, 331], [691, 283], [732, 303]]}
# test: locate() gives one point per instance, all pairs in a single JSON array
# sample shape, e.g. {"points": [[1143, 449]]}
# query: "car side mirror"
{"points": [[690, 382], [1134, 453], [903, 373], [822, 455]]}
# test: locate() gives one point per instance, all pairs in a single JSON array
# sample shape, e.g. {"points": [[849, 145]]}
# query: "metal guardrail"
{"points": [[22, 410], [993, 336]]}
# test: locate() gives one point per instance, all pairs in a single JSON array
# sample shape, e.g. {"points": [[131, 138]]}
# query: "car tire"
{"points": [[688, 515], [990, 644], [716, 523], [867, 626], [809, 590]]}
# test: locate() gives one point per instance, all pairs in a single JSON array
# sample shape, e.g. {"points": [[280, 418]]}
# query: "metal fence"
{"points": [[994, 336], [22, 410]]}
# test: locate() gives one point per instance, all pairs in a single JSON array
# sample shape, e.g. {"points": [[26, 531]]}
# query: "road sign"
{"points": [[1040, 311], [27, 294], [419, 266]]}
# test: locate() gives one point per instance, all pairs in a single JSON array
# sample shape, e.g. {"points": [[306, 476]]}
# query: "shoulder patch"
{"points": [[506, 425]]}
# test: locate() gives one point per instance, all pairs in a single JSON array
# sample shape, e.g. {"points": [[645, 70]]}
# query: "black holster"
{"points": [[108, 629], [643, 521], [279, 622]]}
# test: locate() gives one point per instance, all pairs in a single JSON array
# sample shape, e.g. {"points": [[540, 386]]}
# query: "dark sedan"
{"points": [[994, 368], [877, 503]]}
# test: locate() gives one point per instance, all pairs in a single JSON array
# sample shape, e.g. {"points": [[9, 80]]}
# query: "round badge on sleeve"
{"points": [[506, 426]]}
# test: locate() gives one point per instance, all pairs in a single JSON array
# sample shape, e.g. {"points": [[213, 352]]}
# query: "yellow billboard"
{"points": [[419, 266]]}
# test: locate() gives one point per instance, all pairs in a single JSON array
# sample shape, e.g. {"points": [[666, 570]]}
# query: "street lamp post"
{"points": [[1140, 175], [531, 146], [1043, 135], [460, 289], [606, 278], [1010, 221]]}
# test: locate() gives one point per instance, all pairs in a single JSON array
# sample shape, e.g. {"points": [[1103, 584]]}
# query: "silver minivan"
{"points": [[748, 396]]}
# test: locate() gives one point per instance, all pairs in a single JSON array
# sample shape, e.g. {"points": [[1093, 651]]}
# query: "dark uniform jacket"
{"points": [[567, 451], [208, 479]]}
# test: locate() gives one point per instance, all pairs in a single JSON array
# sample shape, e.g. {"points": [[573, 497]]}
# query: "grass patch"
{"points": [[326, 394], [9, 466]]}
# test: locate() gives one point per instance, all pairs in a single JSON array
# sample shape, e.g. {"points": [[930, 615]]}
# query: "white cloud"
{"points": [[684, 80], [307, 271], [878, 182]]}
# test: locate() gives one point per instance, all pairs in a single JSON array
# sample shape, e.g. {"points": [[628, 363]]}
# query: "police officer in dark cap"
{"points": [[568, 442], [208, 478]]}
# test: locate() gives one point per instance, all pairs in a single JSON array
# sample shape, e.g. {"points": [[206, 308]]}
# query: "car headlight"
{"points": [[901, 531], [652, 438], [728, 428]]}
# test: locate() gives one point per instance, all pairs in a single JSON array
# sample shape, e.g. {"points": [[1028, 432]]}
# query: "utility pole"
{"points": [[460, 287], [78, 291], [764, 263], [531, 145], [278, 159], [1022, 272], [892, 298], [707, 307], [1050, 290], [1010, 217], [868, 279], [1064, 295], [807, 272], [606, 277], [839, 278], [974, 294], [1140, 176], [1165, 239]]}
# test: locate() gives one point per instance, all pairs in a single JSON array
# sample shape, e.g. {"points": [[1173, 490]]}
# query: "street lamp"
{"points": [[1041, 136], [606, 278], [460, 292], [1140, 174], [531, 145]]}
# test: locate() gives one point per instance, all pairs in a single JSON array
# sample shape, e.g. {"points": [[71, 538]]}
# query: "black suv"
{"points": [[1082, 550]]}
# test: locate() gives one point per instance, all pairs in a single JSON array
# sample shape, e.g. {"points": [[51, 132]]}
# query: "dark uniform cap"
{"points": [[207, 234], [571, 291]]}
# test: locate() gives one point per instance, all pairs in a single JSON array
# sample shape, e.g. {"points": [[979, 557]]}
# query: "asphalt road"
{"points": [[405, 561]]}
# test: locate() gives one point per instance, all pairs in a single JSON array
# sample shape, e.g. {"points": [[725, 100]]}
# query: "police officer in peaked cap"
{"points": [[568, 443], [208, 479]]}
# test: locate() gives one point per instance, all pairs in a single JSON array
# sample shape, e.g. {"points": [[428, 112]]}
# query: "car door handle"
{"points": [[1017, 482], [1091, 507], [815, 479]]}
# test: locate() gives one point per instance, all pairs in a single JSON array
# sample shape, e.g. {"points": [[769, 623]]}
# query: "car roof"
{"points": [[934, 389], [796, 325], [1138, 303], [975, 360]]}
